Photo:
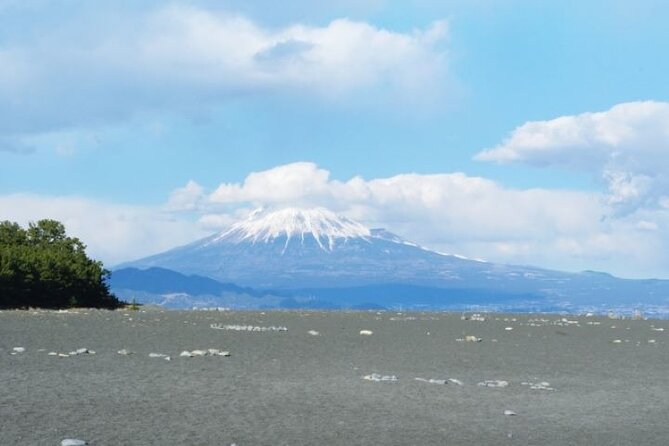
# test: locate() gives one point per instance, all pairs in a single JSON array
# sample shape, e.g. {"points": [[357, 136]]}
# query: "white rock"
{"points": [[52, 354], [472, 339], [366, 332], [157, 355], [377, 377], [198, 353], [63, 355], [494, 383], [509, 413], [508, 328], [73, 442], [313, 332], [455, 381], [19, 349], [186, 354], [124, 352]]}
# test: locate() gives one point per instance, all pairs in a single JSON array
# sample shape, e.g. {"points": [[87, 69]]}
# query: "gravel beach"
{"points": [[309, 378]]}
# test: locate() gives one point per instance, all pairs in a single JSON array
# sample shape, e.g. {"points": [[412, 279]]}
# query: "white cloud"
{"points": [[180, 57], [627, 146], [112, 232], [471, 216], [449, 212], [185, 198]]}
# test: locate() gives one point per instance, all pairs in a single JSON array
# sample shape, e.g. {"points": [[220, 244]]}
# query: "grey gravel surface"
{"points": [[569, 383]]}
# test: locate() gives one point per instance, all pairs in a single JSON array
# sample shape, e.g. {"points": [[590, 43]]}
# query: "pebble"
{"points": [[248, 327], [124, 352], [208, 352], [82, 351], [313, 332], [494, 383], [377, 377], [538, 386], [366, 332], [508, 328], [472, 339], [19, 349], [510, 413], [73, 442]]}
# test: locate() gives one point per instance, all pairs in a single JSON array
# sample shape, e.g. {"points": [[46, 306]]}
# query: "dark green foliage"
{"points": [[42, 267]]}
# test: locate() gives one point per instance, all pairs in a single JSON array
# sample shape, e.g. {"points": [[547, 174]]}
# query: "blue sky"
{"points": [[141, 111]]}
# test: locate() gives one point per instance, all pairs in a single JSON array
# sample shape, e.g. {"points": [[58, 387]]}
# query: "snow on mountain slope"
{"points": [[293, 223]]}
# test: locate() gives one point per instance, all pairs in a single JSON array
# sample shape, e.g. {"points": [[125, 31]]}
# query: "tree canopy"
{"points": [[42, 267]]}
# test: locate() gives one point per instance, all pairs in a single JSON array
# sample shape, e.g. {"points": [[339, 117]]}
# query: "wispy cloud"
{"points": [[180, 57]]}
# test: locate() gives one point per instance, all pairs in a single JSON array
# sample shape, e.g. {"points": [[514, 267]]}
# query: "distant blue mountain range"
{"points": [[314, 258]]}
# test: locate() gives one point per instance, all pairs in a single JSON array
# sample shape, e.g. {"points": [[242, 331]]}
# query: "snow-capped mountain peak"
{"points": [[294, 223]]}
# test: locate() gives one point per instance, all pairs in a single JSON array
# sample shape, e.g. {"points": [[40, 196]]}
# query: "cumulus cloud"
{"points": [[181, 56], [457, 213], [112, 232], [627, 146], [449, 212]]}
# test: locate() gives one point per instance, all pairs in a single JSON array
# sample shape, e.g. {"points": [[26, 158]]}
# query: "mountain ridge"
{"points": [[316, 249]]}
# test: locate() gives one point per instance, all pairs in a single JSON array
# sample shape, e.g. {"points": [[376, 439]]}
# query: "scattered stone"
{"points": [[378, 378], [470, 338], [63, 355], [82, 351], [19, 349], [366, 332], [494, 383], [616, 341], [124, 352], [208, 352], [657, 329], [474, 317], [73, 442], [510, 413], [651, 341], [538, 386], [52, 354], [313, 333], [247, 327], [160, 355], [508, 328]]}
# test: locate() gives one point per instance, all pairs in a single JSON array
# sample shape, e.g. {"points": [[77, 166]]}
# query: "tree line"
{"points": [[41, 266]]}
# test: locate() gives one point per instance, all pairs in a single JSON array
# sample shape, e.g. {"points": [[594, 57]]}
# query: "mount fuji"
{"points": [[317, 257]]}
